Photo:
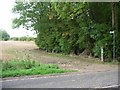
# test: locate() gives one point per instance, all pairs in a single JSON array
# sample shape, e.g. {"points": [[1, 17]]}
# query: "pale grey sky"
{"points": [[6, 17]]}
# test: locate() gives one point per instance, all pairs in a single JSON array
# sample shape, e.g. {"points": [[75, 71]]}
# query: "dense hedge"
{"points": [[72, 27]]}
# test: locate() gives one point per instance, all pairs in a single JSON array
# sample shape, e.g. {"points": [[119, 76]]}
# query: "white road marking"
{"points": [[73, 80], [110, 86]]}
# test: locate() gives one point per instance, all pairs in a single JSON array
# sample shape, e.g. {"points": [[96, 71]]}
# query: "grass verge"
{"points": [[0, 69], [15, 68]]}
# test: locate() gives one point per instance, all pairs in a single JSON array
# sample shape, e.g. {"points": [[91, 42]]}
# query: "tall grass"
{"points": [[28, 67], [19, 64]]}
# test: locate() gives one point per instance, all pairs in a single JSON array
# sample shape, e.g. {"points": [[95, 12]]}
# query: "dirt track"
{"points": [[28, 50]]}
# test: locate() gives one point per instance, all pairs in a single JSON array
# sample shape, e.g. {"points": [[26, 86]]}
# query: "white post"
{"points": [[102, 54], [113, 32]]}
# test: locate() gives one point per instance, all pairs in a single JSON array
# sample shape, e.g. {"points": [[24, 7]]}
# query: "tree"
{"points": [[4, 35], [69, 27]]}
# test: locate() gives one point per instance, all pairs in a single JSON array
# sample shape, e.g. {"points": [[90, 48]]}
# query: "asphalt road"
{"points": [[77, 80]]}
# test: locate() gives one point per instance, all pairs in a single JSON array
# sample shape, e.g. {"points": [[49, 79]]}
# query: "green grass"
{"points": [[0, 68], [15, 68]]}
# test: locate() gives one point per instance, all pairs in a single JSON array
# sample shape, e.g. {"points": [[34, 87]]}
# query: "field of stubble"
{"points": [[17, 50]]}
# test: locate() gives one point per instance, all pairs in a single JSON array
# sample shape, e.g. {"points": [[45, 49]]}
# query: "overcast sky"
{"points": [[6, 17]]}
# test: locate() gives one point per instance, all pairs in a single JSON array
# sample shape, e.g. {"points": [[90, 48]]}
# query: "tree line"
{"points": [[24, 38], [72, 27], [4, 36]]}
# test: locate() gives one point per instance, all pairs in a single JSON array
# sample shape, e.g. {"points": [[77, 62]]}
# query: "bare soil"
{"points": [[28, 50]]}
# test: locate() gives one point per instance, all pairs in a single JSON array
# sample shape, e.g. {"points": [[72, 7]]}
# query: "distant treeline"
{"points": [[4, 36], [25, 38]]}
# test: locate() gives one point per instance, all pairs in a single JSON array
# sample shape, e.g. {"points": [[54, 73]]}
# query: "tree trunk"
{"points": [[114, 16], [86, 52], [114, 25]]}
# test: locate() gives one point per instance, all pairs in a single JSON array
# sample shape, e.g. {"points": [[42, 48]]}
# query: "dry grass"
{"points": [[28, 50]]}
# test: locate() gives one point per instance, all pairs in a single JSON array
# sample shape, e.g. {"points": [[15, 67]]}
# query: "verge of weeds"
{"points": [[15, 68]]}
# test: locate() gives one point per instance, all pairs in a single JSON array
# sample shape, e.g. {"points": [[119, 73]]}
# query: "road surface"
{"points": [[102, 79]]}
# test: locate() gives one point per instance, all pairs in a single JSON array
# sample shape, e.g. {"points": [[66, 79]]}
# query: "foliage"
{"points": [[0, 68], [14, 38], [28, 67], [70, 27], [22, 38], [4, 35]]}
